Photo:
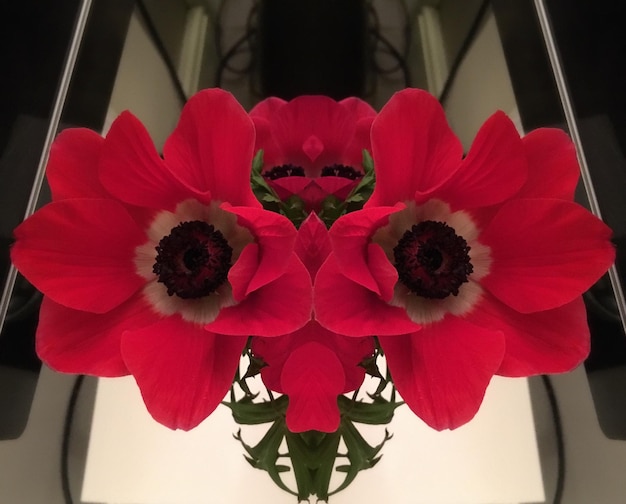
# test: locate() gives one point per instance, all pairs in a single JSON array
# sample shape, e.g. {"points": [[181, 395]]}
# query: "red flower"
{"points": [[465, 267], [161, 267], [313, 365], [312, 145]]}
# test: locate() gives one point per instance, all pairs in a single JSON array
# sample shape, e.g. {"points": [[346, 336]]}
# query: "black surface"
{"points": [[312, 47]]}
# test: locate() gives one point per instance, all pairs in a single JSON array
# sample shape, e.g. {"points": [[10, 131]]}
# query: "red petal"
{"points": [[363, 115], [442, 371], [274, 352], [350, 352], [306, 116], [80, 253], [345, 307], [339, 187], [243, 271], [212, 146], [493, 171], [350, 236], [72, 170], [545, 253], [182, 370], [278, 308], [382, 270], [312, 243], [551, 341], [414, 149], [288, 186], [553, 166], [73, 341], [132, 171], [275, 235], [267, 108], [313, 377]]}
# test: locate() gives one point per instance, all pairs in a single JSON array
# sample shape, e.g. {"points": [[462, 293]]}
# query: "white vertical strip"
{"points": [[192, 50], [436, 64], [55, 118], [570, 118]]}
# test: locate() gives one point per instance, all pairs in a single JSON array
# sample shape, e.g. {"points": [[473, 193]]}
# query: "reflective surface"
{"points": [[33, 407]]}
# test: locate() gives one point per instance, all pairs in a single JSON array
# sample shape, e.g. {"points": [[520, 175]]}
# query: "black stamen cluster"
{"points": [[286, 170], [338, 170], [193, 260], [432, 260]]}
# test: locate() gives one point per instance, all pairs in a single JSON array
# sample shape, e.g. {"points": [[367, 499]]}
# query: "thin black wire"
{"points": [[402, 64], [238, 47], [65, 446], [465, 47], [388, 47], [160, 47], [560, 442]]}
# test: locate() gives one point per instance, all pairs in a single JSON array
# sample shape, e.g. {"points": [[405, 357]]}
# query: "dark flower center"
{"points": [[282, 171], [339, 170], [432, 260], [193, 260]]}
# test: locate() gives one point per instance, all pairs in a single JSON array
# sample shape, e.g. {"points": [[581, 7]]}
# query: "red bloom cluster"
{"points": [[312, 145], [463, 267]]}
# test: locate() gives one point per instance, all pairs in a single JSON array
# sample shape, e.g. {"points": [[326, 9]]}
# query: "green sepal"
{"points": [[247, 412], [313, 456], [378, 412], [265, 454], [292, 208], [360, 453]]}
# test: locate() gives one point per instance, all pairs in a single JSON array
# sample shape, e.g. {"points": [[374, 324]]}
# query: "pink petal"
{"points": [[493, 171], [72, 169], [312, 243], [553, 166], [212, 146], [414, 149], [545, 253], [80, 253], [345, 307], [182, 370], [275, 235], [442, 371], [551, 341], [313, 377], [72, 341], [280, 307], [350, 236], [131, 170]]}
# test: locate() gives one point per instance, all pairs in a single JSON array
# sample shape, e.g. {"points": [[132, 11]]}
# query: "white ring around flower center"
{"points": [[422, 310], [201, 310]]}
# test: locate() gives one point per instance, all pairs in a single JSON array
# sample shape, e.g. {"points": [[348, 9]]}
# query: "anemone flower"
{"points": [[161, 267], [464, 267], [312, 145], [313, 365]]}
